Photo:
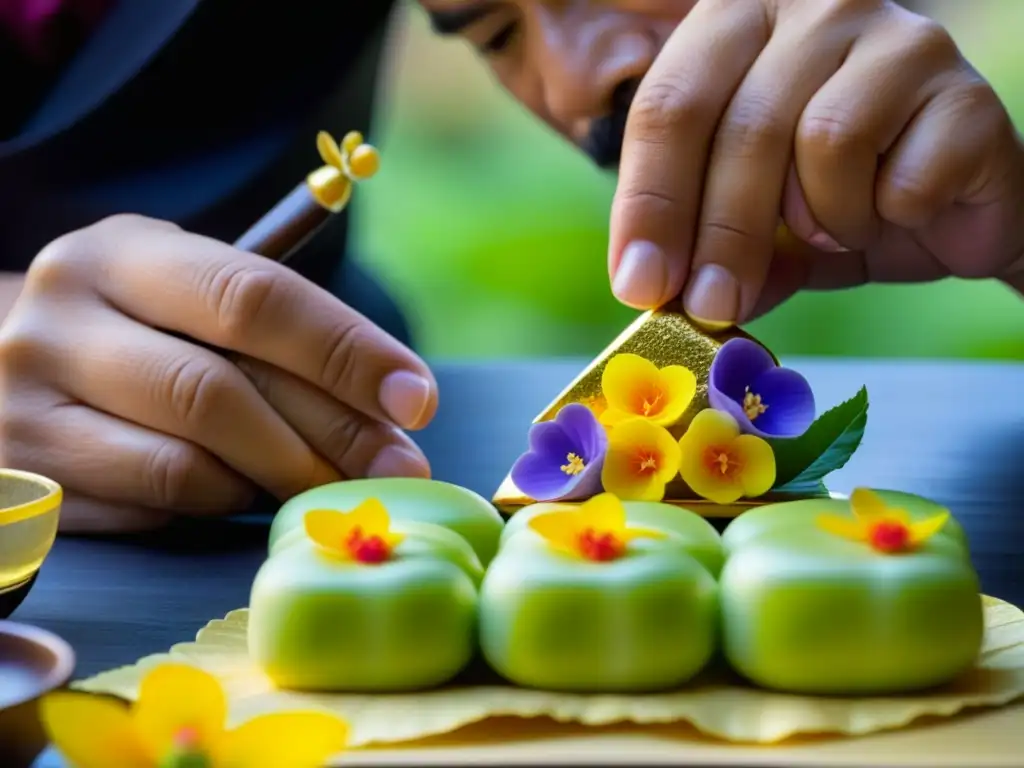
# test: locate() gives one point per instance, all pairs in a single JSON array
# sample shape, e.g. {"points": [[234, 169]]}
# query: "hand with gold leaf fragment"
{"points": [[859, 123], [856, 123]]}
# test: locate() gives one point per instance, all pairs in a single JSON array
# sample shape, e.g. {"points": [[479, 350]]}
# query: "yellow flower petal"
{"points": [[757, 459], [560, 529], [679, 386], [284, 740], [351, 142], [372, 517], [869, 507], [329, 150], [332, 190], [925, 529], [174, 697], [393, 540], [329, 529], [710, 427], [364, 162], [629, 534], [625, 376], [610, 417], [671, 455], [92, 732], [603, 512], [843, 527]]}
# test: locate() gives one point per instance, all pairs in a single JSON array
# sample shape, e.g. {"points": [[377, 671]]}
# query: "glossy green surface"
{"points": [[425, 501], [694, 533], [317, 622], [807, 612], [647, 621], [801, 514]]}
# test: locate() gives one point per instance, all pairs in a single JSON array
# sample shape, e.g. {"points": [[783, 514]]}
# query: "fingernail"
{"points": [[713, 298], [641, 278], [823, 241], [394, 461], [405, 397]]}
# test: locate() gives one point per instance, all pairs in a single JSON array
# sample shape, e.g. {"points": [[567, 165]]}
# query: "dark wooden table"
{"points": [[950, 431]]}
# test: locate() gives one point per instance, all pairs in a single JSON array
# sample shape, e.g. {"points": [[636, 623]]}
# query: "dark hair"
{"points": [[604, 141]]}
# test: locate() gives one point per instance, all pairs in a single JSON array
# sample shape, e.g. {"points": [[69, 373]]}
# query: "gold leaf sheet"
{"points": [[723, 709]]}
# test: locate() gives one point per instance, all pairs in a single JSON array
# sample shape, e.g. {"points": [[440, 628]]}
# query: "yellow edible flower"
{"points": [[363, 535], [633, 386], [883, 528], [595, 530], [642, 458], [722, 465], [351, 161], [179, 722]]}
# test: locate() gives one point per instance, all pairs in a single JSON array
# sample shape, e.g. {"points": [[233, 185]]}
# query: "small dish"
{"points": [[33, 662], [29, 512]]}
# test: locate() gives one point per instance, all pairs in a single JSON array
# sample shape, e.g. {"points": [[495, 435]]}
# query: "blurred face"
{"points": [[574, 63]]}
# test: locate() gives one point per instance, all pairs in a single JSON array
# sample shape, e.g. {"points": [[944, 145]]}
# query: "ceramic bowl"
{"points": [[33, 662], [29, 512]]}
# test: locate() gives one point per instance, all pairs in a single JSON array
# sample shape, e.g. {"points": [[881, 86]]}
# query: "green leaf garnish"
{"points": [[801, 463]]}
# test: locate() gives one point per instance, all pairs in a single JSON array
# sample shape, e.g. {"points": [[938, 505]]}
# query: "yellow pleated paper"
{"points": [[725, 710]]}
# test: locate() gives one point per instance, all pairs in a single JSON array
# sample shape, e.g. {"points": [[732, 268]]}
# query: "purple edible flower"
{"points": [[565, 457], [766, 400]]}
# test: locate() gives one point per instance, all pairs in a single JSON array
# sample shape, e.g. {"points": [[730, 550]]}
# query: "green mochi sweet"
{"points": [[406, 499], [644, 622], [321, 623], [695, 534], [807, 612]]}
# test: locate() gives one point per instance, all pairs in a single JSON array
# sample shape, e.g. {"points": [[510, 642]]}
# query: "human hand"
{"points": [[139, 425], [856, 122]]}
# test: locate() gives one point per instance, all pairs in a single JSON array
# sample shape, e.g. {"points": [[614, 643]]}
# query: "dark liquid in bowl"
{"points": [[10, 599]]}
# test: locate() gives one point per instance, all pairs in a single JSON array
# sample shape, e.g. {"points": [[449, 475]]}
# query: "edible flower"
{"points": [[765, 399], [721, 464], [633, 387], [344, 164], [179, 722], [642, 459], [565, 457], [595, 530], [363, 535], [885, 529]]}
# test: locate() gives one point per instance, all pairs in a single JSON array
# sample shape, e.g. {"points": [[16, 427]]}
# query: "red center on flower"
{"points": [[186, 738], [720, 461], [600, 547], [367, 549], [889, 536], [186, 751]]}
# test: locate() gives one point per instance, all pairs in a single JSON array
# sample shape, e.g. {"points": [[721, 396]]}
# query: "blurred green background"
{"points": [[492, 233]]}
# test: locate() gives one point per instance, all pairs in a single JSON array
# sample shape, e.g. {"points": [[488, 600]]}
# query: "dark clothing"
{"points": [[201, 112]]}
